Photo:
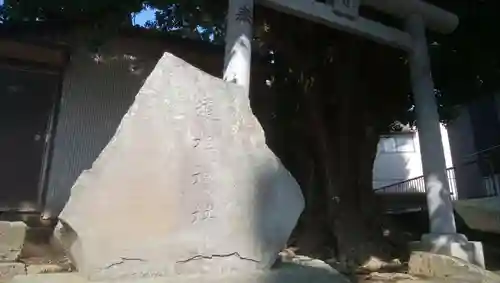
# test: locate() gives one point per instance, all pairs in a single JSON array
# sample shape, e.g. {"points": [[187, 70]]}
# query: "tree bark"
{"points": [[353, 214], [344, 92], [353, 209], [316, 232]]}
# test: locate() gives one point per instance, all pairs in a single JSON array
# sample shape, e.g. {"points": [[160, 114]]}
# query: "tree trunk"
{"points": [[356, 220], [316, 236], [343, 90], [353, 214]]}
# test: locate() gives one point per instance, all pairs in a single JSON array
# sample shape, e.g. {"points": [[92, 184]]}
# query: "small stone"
{"points": [[305, 261], [286, 255], [10, 269], [373, 264], [12, 235], [47, 268], [390, 276]]}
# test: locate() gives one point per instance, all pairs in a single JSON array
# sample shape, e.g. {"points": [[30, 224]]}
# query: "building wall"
{"points": [[463, 149], [394, 167], [97, 92], [483, 115], [475, 130]]}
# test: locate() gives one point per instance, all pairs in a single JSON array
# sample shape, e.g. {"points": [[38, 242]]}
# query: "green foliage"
{"points": [[182, 17], [204, 19], [465, 64], [67, 11]]}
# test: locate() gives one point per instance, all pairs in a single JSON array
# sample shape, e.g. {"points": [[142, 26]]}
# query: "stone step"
{"points": [[32, 220], [12, 236], [38, 229]]}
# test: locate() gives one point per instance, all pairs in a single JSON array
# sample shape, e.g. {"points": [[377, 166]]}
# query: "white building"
{"points": [[471, 143], [398, 158]]}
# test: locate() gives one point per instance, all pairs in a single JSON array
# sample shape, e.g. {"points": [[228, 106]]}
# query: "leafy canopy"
{"points": [[465, 64]]}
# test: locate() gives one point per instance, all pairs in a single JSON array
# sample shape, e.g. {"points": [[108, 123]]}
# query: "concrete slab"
{"points": [[287, 273], [10, 269], [480, 214], [12, 236], [448, 267]]}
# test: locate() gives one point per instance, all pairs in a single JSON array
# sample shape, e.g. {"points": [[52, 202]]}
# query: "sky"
{"points": [[142, 17]]}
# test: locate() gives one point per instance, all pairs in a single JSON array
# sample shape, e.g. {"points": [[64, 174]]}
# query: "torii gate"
{"points": [[343, 15]]}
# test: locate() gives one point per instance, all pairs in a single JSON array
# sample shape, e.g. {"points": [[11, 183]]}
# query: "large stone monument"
{"points": [[187, 185]]}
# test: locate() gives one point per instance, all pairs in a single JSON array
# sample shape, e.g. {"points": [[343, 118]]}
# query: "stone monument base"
{"points": [[296, 272], [456, 245]]}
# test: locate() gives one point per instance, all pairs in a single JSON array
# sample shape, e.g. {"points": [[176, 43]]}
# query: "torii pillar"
{"points": [[238, 51], [443, 237]]}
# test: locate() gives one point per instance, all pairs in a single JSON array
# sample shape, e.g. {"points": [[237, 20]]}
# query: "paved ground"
{"points": [[280, 278], [35, 254], [480, 214], [40, 259], [72, 278], [307, 272]]}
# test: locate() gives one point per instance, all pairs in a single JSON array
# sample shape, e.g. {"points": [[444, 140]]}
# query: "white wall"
{"points": [[394, 167]]}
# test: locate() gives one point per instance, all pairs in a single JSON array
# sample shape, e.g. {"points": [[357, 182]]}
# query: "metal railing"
{"points": [[417, 185], [480, 174]]}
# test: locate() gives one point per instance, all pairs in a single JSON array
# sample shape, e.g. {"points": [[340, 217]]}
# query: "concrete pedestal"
{"points": [[456, 245]]}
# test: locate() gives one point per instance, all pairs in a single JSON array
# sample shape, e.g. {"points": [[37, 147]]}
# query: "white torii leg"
{"points": [[238, 51], [443, 237]]}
